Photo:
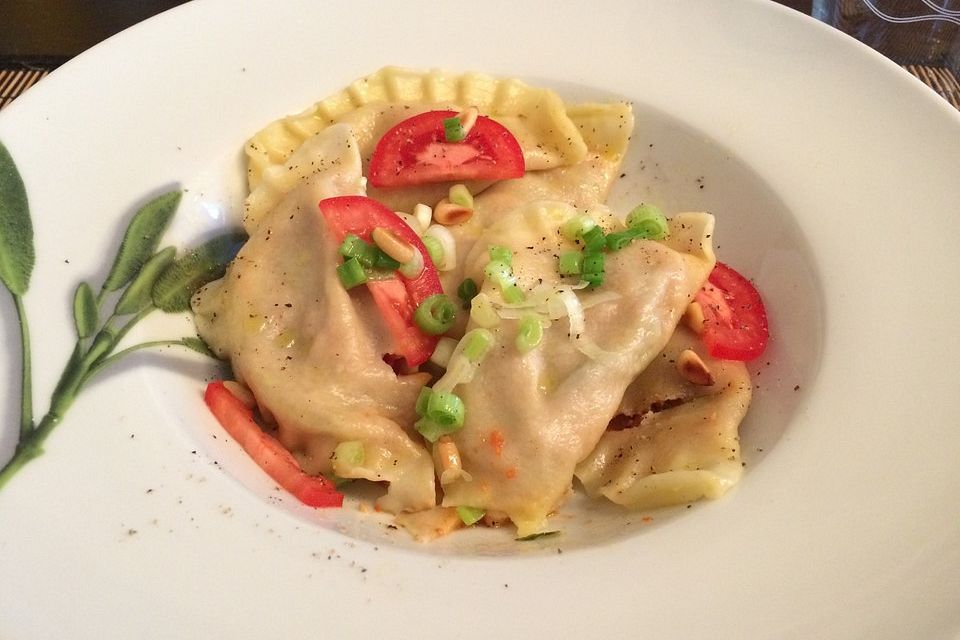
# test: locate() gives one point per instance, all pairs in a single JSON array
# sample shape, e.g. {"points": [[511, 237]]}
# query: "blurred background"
{"points": [[51, 31], [36, 36]]}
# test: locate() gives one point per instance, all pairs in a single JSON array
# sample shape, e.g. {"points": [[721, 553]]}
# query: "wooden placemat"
{"points": [[940, 79], [14, 81]]}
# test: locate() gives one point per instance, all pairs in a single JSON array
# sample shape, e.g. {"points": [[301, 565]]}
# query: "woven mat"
{"points": [[14, 82]]}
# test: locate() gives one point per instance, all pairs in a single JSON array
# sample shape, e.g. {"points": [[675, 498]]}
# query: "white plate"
{"points": [[834, 178]]}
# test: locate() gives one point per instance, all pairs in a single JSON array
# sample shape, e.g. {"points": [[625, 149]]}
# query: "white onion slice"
{"points": [[578, 320], [411, 221], [483, 312], [443, 351], [459, 371]]}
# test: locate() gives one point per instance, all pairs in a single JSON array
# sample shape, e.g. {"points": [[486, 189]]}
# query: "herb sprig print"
{"points": [[141, 280]]}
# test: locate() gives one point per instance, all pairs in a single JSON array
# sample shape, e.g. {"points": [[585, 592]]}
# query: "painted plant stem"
{"points": [[26, 382], [106, 362], [142, 278], [74, 379]]}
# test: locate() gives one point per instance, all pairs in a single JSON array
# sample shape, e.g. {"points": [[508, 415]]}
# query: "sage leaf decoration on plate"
{"points": [[16, 265], [141, 240], [85, 314], [206, 263], [16, 229], [141, 278]]}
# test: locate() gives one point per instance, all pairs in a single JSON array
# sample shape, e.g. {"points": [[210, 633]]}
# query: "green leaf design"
{"points": [[16, 230], [173, 290], [102, 345], [137, 296], [197, 345], [85, 314], [141, 239]]}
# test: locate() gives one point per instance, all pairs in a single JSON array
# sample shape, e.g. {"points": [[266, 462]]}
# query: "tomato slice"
{"points": [[397, 297], [237, 420], [735, 321], [416, 151]]}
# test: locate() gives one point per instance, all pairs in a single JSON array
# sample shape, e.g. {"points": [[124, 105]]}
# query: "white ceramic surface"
{"points": [[834, 177]]}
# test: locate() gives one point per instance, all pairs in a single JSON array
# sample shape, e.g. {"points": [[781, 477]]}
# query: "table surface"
{"points": [[36, 36]]}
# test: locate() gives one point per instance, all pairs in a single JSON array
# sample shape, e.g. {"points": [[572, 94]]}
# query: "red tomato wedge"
{"points": [[237, 420], [416, 151], [735, 321], [397, 297]]}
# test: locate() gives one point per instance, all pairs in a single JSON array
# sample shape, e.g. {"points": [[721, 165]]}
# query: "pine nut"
{"points": [[390, 244], [692, 368], [449, 214], [446, 458], [468, 118], [693, 317]]}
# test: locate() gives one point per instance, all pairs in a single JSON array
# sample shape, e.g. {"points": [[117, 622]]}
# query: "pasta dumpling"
{"points": [[681, 443], [596, 395]]}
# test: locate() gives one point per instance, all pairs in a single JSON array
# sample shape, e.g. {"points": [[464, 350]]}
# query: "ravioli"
{"points": [[684, 443], [313, 352], [372, 105], [550, 406]]}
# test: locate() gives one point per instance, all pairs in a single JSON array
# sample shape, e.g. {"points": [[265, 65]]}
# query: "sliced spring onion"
{"points": [[593, 263], [432, 431], [453, 130], [500, 273], [445, 408], [350, 452], [476, 345], [592, 271], [502, 254], [530, 334], [620, 239], [442, 352], [649, 222], [594, 239], [436, 314], [537, 536], [434, 248], [351, 273], [570, 263], [594, 279], [421, 406], [574, 228], [443, 235], [459, 194], [353, 246], [461, 368], [483, 312], [383, 261], [414, 268], [512, 294], [470, 515], [466, 291], [424, 215]]}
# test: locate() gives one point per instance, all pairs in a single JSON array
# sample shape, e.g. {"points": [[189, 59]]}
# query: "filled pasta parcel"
{"points": [[436, 298]]}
